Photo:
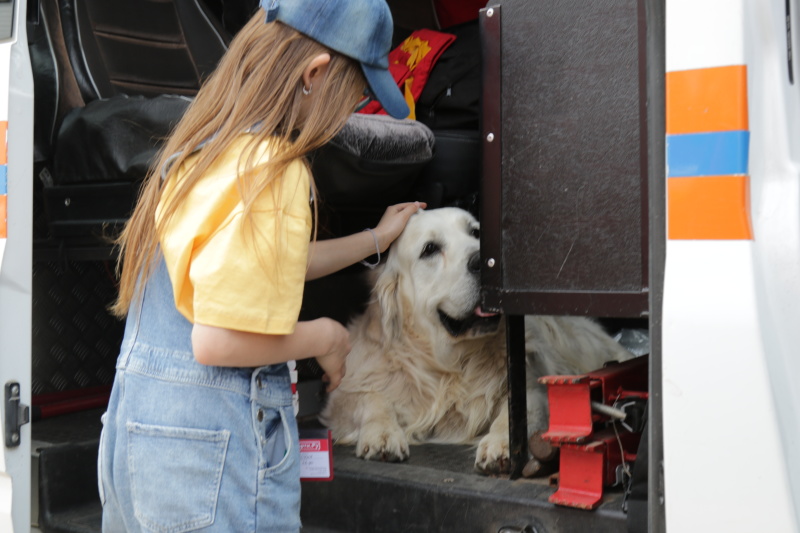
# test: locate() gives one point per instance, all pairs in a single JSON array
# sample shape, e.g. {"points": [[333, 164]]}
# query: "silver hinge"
{"points": [[16, 413]]}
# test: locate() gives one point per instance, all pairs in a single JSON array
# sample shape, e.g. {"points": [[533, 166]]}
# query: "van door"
{"points": [[16, 169]]}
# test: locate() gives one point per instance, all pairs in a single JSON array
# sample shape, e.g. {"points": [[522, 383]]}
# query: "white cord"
{"points": [[377, 251], [625, 467]]}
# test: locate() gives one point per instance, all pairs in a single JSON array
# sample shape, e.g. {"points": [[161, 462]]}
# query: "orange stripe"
{"points": [[3, 216], [707, 100], [709, 207], [3, 143]]}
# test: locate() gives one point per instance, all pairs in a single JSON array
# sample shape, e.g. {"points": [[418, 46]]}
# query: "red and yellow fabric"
{"points": [[411, 63]]}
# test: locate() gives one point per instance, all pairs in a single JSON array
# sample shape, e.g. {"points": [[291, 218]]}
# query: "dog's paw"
{"points": [[493, 455], [382, 444]]}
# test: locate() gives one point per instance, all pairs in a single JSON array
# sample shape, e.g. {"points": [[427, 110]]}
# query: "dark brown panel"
{"points": [[572, 218]]}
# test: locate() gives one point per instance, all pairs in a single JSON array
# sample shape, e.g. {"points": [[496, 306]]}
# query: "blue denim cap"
{"points": [[360, 29]]}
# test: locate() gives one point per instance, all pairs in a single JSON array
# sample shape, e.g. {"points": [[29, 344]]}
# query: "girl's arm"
{"points": [[331, 255], [323, 338]]}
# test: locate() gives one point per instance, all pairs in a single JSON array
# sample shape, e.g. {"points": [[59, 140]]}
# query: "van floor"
{"points": [[435, 490]]}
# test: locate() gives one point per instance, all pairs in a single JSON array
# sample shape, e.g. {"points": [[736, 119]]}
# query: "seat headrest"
{"points": [[385, 139]]}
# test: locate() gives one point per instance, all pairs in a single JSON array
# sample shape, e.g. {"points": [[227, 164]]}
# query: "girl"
{"points": [[200, 431]]}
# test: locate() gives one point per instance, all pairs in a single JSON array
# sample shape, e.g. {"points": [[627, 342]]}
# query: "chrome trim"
{"points": [[58, 73], [83, 54]]}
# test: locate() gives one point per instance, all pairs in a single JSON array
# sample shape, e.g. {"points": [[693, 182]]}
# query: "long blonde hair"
{"points": [[258, 84]]}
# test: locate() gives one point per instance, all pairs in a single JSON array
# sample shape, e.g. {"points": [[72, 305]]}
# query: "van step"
{"points": [[64, 461], [437, 490], [68, 498]]}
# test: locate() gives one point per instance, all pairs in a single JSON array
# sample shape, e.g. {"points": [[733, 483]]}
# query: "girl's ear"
{"points": [[315, 72]]}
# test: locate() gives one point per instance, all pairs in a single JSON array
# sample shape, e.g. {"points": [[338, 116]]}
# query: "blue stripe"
{"points": [[3, 179], [708, 154]]}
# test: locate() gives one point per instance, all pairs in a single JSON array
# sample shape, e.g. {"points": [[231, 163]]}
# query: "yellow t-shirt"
{"points": [[218, 277]]}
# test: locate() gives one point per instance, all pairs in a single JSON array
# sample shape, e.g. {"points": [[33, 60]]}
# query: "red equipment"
{"points": [[595, 419]]}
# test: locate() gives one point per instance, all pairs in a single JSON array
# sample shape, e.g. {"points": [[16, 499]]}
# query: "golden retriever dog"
{"points": [[429, 365]]}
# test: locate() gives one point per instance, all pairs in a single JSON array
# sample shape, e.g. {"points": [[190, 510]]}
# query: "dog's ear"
{"points": [[386, 291]]}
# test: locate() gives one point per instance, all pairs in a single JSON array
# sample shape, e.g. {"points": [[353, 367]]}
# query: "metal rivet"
{"points": [[490, 262], [67, 201], [489, 12], [260, 415], [15, 437], [490, 137]]}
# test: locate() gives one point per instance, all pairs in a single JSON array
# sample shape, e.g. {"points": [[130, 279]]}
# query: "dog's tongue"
{"points": [[483, 314]]}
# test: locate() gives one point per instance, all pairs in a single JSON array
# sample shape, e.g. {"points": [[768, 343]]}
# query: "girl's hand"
{"points": [[333, 361], [393, 222]]}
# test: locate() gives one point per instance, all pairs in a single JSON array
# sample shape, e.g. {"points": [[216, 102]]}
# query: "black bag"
{"points": [[452, 178], [103, 152], [451, 99], [114, 139]]}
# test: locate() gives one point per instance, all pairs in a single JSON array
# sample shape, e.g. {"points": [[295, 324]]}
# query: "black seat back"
{"points": [[84, 50], [129, 61], [140, 47]]}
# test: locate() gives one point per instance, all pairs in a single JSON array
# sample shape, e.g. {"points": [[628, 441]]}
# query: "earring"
{"points": [[307, 91]]}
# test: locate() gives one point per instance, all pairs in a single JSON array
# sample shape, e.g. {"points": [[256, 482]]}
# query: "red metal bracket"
{"points": [[570, 397], [570, 408], [590, 449], [584, 469]]}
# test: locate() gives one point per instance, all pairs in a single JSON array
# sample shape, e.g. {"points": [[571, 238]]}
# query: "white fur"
{"points": [[410, 381]]}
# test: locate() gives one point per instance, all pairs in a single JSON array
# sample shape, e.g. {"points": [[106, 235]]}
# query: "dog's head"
{"points": [[432, 277]]}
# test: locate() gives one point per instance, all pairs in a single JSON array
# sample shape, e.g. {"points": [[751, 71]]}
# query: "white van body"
{"points": [[16, 168], [730, 336]]}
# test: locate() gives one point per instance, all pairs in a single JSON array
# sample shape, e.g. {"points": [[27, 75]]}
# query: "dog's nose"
{"points": [[474, 264]]}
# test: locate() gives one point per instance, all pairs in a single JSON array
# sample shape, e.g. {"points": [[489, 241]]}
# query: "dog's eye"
{"points": [[475, 232], [429, 249]]}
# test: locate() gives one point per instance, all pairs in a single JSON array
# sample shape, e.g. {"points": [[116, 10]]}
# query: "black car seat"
{"points": [[141, 47], [111, 79]]}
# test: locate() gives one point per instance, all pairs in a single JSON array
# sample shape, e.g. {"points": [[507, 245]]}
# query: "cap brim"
{"points": [[385, 89]]}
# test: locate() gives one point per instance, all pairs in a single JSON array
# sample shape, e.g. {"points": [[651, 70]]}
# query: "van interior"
{"points": [[111, 80]]}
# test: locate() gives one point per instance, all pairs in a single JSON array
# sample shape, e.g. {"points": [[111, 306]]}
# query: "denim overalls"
{"points": [[188, 447]]}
